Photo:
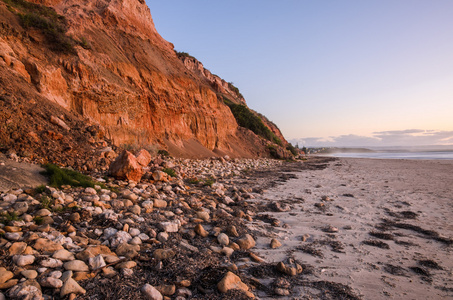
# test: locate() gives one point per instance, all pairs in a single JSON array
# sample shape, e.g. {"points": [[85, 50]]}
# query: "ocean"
{"points": [[431, 155]]}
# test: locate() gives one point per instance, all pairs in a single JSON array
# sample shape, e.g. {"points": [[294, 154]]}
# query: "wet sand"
{"points": [[383, 228]]}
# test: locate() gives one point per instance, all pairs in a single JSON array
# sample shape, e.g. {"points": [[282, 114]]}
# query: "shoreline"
{"points": [[373, 226]]}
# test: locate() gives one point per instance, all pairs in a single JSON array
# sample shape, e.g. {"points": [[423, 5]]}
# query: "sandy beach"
{"points": [[380, 229]]}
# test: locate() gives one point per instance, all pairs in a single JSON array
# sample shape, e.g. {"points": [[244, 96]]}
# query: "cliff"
{"points": [[102, 65]]}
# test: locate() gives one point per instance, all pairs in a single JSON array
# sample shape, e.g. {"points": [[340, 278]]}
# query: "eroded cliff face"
{"points": [[123, 76]]}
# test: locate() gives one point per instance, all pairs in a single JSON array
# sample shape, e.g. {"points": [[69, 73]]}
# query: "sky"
{"points": [[336, 73]]}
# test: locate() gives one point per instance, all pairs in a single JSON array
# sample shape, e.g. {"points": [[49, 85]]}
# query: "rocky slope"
{"points": [[102, 68]]}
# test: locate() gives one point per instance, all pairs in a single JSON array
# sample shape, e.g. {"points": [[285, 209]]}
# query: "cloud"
{"points": [[409, 137]]}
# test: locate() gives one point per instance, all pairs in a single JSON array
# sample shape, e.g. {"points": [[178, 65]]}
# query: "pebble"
{"points": [[23, 260], [151, 293], [76, 266], [275, 244], [246, 242], [51, 263], [82, 246], [223, 239], [29, 274], [71, 286], [231, 281], [51, 282], [63, 255]]}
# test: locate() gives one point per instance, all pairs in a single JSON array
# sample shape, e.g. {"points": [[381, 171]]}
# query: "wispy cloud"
{"points": [[409, 137]]}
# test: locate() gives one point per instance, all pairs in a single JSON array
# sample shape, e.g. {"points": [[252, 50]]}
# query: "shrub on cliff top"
{"points": [[247, 119], [51, 24]]}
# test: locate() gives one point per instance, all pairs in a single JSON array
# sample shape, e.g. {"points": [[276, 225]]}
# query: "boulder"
{"points": [[143, 157], [126, 166]]}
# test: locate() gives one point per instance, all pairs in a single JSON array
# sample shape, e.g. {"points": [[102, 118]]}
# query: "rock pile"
{"points": [[175, 232]]}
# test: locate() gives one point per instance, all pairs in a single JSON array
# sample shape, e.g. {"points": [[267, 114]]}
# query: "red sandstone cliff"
{"points": [[120, 75]]}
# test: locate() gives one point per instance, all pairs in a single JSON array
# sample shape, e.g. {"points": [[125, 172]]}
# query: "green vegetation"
{"points": [[59, 177], [163, 153], [235, 89], [170, 172], [7, 217], [84, 43], [247, 119], [183, 54], [292, 149], [46, 202], [273, 151], [38, 220], [40, 189], [194, 181], [209, 182], [51, 24]]}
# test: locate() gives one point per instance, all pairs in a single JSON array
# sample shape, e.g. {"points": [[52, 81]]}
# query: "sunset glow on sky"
{"points": [[337, 71]]}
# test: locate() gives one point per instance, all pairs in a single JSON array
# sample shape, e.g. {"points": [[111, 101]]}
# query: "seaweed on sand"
{"points": [[381, 235], [429, 234], [376, 243], [428, 263]]}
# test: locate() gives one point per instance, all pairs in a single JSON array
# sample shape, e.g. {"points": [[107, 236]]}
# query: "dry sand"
{"points": [[414, 196]]}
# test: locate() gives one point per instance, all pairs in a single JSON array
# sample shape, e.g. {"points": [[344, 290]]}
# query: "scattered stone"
{"points": [[5, 275], [71, 286], [23, 260], [96, 262], [230, 282], [163, 254], [51, 282], [29, 274], [201, 231], [51, 263], [76, 266], [25, 291], [275, 244], [63, 255], [171, 226], [223, 239], [17, 248], [46, 245], [151, 293], [246, 242]]}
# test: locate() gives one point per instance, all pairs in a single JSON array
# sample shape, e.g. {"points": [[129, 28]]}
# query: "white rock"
{"points": [[76, 266], [223, 239], [171, 226], [151, 293], [56, 274], [143, 236], [162, 237], [90, 190], [13, 236], [51, 263], [51, 282], [109, 232], [9, 198], [134, 231], [105, 197], [121, 237], [71, 286], [23, 260], [96, 262], [136, 241], [63, 255]]}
